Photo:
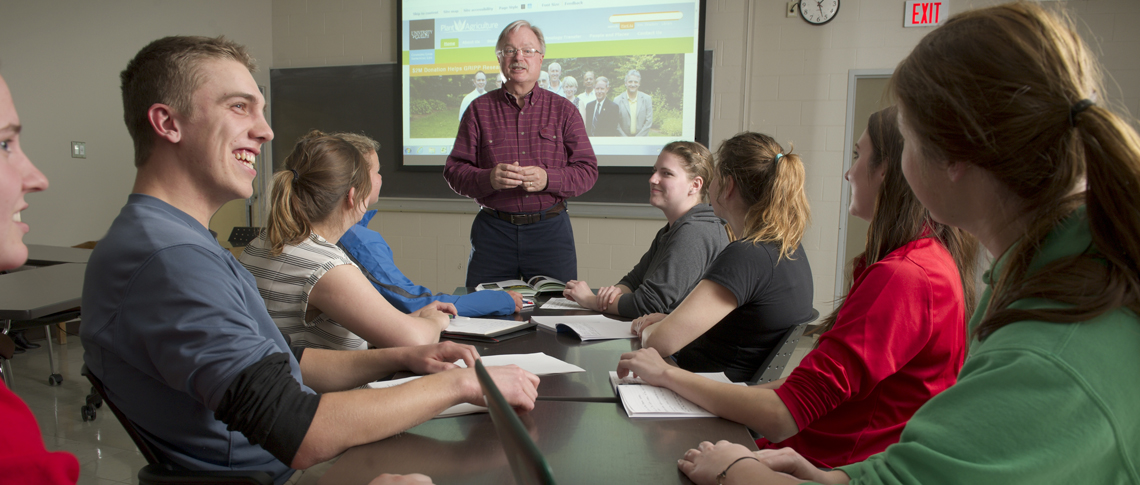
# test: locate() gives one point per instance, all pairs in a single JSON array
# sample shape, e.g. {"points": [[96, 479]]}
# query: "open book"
{"points": [[586, 327], [483, 327], [531, 287], [642, 400]]}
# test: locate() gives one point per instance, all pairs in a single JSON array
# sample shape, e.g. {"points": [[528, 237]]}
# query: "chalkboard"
{"points": [[366, 99]]}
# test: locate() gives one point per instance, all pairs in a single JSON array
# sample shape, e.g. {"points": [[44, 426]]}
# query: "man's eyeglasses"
{"points": [[511, 51]]}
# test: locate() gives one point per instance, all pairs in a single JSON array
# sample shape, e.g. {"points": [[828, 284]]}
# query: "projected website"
{"points": [[597, 51]]}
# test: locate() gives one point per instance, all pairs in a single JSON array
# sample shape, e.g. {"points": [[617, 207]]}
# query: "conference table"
{"points": [[40, 297], [44, 255], [578, 423]]}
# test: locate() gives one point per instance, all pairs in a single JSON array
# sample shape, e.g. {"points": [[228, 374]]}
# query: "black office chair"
{"points": [[774, 365], [7, 348], [45, 321], [527, 463], [161, 471], [241, 236]]}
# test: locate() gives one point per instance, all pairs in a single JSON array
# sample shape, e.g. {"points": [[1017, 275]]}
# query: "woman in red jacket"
{"points": [[898, 338]]}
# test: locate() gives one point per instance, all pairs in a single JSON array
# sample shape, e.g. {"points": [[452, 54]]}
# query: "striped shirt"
{"points": [[285, 281], [547, 132]]}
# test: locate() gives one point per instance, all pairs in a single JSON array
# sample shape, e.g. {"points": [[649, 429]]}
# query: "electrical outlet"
{"points": [[793, 8], [78, 149]]}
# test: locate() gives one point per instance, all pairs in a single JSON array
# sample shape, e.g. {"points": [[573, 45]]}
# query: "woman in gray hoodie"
{"points": [[682, 249]]}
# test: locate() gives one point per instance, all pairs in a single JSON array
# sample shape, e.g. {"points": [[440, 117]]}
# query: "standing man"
{"points": [[480, 89], [585, 93], [555, 73], [635, 106], [175, 327], [520, 152], [602, 116]]}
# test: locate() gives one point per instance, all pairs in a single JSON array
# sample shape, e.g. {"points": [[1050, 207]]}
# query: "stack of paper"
{"points": [[587, 327], [642, 400], [537, 363]]}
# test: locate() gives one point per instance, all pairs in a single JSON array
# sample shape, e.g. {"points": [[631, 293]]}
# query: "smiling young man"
{"points": [[174, 325], [520, 153]]}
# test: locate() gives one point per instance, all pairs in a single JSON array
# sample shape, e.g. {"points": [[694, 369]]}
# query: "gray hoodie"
{"points": [[674, 263]]}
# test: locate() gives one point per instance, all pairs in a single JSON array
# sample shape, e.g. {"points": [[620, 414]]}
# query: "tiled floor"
{"points": [[105, 452]]}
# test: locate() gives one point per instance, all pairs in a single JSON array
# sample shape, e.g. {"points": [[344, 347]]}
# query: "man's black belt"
{"points": [[524, 219]]}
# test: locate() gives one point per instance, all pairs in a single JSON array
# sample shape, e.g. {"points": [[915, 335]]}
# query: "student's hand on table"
{"points": [[438, 312], [413, 479], [579, 292], [641, 323], [506, 176], [646, 364], [534, 178], [706, 461], [786, 460], [518, 300], [607, 295], [519, 387], [430, 359]]}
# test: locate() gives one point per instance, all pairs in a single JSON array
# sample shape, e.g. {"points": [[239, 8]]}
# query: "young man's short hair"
{"points": [[166, 72]]}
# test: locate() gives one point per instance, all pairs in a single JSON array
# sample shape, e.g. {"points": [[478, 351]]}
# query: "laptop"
{"points": [[527, 463]]}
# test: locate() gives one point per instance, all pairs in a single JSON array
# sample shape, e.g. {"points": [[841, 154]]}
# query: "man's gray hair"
{"points": [[516, 25], [632, 72]]}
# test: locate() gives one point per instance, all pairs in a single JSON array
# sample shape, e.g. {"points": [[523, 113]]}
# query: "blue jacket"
{"points": [[372, 253]]}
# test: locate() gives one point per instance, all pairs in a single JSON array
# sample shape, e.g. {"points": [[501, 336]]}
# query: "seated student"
{"points": [[680, 252], [23, 458], [313, 291], [175, 327], [759, 285], [1004, 140], [898, 339], [369, 250]]}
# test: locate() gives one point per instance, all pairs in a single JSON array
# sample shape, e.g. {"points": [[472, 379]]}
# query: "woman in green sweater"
{"points": [[1005, 138]]}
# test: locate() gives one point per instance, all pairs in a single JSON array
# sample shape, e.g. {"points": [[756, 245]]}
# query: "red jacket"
{"points": [[23, 458], [899, 339]]}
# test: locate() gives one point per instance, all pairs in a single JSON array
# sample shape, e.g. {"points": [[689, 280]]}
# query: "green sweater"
{"points": [[1035, 402]]}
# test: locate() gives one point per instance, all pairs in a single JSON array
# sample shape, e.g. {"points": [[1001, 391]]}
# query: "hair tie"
{"points": [[1077, 109], [778, 157], [296, 176]]}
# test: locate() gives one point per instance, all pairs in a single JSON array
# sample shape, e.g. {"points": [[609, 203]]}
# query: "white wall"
{"points": [[773, 74], [62, 60]]}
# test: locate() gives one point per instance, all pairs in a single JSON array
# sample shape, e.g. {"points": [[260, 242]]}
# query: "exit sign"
{"points": [[919, 13]]}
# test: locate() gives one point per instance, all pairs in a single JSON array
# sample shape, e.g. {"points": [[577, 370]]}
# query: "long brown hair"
{"points": [[696, 160], [771, 182], [1003, 88], [326, 168], [900, 218]]}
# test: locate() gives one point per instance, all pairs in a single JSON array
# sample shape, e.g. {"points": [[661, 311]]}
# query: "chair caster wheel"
{"points": [[88, 412], [55, 379]]}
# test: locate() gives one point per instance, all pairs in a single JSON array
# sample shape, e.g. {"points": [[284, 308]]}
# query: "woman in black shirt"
{"points": [[759, 285]]}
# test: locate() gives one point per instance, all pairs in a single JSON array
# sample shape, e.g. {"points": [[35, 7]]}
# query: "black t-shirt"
{"points": [[771, 294]]}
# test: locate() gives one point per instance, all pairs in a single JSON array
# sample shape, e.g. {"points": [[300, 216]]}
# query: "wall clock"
{"points": [[818, 12]]}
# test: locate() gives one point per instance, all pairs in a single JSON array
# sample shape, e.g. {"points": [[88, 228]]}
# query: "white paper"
{"points": [[537, 363], [480, 326], [642, 400], [588, 327], [562, 304], [658, 402], [456, 410], [615, 381]]}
